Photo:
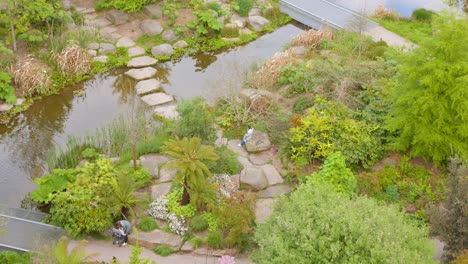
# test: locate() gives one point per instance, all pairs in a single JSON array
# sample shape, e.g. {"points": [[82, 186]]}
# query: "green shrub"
{"points": [[124, 5], [52, 184], [316, 225], [230, 32], [215, 239], [227, 162], [141, 176], [198, 223], [376, 50], [11, 257], [147, 224], [215, 6], [422, 14], [195, 120], [243, 7], [173, 204], [196, 242], [302, 103], [163, 250], [90, 153], [7, 92]]}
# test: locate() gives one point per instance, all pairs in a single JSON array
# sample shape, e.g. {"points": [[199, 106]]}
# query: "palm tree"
{"points": [[60, 254], [123, 196], [190, 158]]}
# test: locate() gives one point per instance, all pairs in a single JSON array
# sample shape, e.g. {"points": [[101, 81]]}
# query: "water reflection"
{"points": [[403, 7]]}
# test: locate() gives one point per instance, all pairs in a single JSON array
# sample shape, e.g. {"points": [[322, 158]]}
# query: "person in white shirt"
{"points": [[247, 136]]}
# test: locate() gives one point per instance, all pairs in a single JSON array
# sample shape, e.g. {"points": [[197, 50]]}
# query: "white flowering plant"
{"points": [[159, 210]]}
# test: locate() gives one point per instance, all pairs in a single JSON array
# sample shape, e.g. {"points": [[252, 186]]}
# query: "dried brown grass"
{"points": [[30, 76], [311, 38], [384, 13], [73, 61], [268, 75]]}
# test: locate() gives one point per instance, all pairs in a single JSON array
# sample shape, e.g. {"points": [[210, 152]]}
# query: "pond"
{"points": [[26, 140], [403, 7]]}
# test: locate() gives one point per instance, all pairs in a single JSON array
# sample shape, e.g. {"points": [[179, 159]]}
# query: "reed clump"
{"points": [[312, 38], [384, 13], [73, 61], [30, 76], [268, 75]]}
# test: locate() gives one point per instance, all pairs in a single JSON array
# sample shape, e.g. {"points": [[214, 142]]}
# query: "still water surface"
{"points": [[25, 142]]}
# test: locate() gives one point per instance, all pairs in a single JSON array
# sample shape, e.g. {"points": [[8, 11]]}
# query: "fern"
{"points": [[7, 92]]}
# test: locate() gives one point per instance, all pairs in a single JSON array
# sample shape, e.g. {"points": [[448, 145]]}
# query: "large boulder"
{"points": [[117, 17], [259, 142], [258, 22], [162, 50], [125, 42], [151, 27], [253, 178], [152, 162], [136, 51]]}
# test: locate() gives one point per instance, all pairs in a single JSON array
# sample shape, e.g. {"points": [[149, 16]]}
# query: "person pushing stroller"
{"points": [[120, 232]]}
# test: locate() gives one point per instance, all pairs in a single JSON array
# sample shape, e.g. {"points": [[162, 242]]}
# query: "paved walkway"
{"points": [[107, 251]]}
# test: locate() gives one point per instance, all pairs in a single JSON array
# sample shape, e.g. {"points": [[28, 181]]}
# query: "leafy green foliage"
{"points": [[90, 153], [173, 204], [7, 92], [415, 31], [450, 221], [198, 223], [163, 250], [405, 184], [195, 120], [215, 239], [206, 23], [124, 5], [227, 162], [335, 173], [422, 14], [147, 224], [243, 7], [330, 127], [429, 99], [196, 242], [301, 104], [338, 230], [135, 257], [12, 257], [84, 207], [215, 6], [122, 196], [52, 184]]}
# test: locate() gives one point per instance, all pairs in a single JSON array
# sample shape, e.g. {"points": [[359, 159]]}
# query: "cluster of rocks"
{"points": [[4, 107]]}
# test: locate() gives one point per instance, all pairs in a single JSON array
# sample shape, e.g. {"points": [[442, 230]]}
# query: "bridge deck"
{"points": [[321, 13], [23, 231]]}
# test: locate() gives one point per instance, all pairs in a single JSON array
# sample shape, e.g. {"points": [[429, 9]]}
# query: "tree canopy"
{"points": [[430, 97], [317, 225]]}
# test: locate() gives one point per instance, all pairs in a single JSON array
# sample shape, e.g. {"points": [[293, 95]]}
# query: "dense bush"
{"points": [[52, 184], [302, 103], [215, 239], [317, 225], [422, 14], [7, 92], [198, 223], [196, 242], [11, 257], [243, 7], [195, 120], [124, 5], [163, 250], [330, 127], [227, 163], [147, 224]]}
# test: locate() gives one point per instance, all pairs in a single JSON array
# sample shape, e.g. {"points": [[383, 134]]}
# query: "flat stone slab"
{"points": [[157, 99], [274, 191], [5, 107], [143, 61], [167, 174], [100, 22], [125, 42], [147, 86], [262, 157], [263, 209], [100, 59], [244, 161], [141, 74], [272, 174], [107, 48], [167, 111], [159, 237], [136, 51], [108, 30], [160, 189], [233, 145], [152, 162]]}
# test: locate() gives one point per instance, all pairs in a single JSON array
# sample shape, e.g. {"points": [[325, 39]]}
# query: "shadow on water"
{"points": [[26, 140]]}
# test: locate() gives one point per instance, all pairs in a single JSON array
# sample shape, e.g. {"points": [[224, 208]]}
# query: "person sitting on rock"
{"points": [[126, 227], [247, 136]]}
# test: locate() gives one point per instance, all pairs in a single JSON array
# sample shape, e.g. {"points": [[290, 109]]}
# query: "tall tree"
{"points": [[191, 158], [430, 96]]}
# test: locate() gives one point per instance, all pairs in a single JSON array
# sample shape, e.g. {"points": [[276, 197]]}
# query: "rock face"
{"points": [[180, 44], [117, 17], [253, 178], [272, 174], [157, 99], [141, 74], [152, 162], [169, 35], [107, 48], [258, 22], [159, 237], [259, 142], [162, 50], [151, 27], [143, 61], [263, 157], [167, 111], [136, 51], [147, 86], [125, 42], [153, 11], [167, 174]]}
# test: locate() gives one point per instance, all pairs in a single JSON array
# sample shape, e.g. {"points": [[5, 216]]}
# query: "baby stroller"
{"points": [[117, 237]]}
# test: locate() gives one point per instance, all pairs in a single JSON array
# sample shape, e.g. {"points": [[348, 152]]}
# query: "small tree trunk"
{"points": [[134, 157], [13, 35], [185, 196]]}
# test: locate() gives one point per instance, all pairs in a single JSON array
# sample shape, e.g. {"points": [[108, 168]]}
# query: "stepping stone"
{"points": [[108, 30], [136, 51], [253, 178], [205, 251], [158, 237], [160, 189], [125, 42], [167, 111], [112, 37], [107, 48], [100, 58], [180, 44], [169, 35], [151, 162], [162, 50], [117, 17], [147, 86], [5, 107], [157, 99], [274, 191], [187, 247], [263, 209], [93, 46], [143, 61], [245, 31], [151, 27], [141, 74], [258, 22], [272, 174], [100, 22]]}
